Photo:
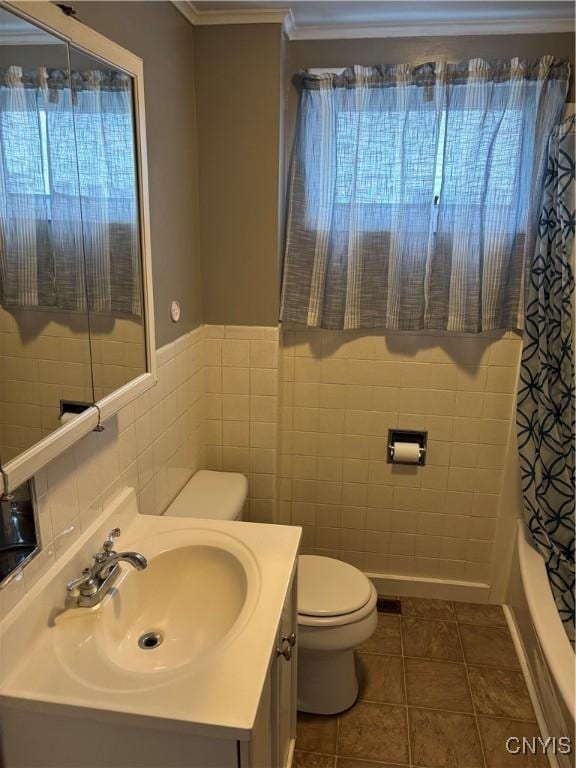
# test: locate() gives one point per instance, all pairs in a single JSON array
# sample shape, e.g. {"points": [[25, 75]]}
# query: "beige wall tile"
{"points": [[440, 402], [234, 433], [497, 405], [505, 352], [264, 354], [307, 369], [501, 379], [235, 381], [235, 352], [494, 431], [316, 425]]}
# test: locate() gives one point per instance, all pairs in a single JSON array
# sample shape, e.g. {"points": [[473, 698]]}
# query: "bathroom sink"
{"points": [[182, 608], [186, 640]]}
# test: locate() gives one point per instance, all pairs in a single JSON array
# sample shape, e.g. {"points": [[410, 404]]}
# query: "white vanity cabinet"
{"points": [[92, 739], [274, 733], [71, 698]]}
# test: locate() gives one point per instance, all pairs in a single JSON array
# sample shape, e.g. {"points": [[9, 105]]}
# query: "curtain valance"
{"points": [[497, 71], [52, 77]]}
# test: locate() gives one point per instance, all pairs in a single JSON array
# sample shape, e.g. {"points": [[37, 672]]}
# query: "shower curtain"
{"points": [[545, 418]]}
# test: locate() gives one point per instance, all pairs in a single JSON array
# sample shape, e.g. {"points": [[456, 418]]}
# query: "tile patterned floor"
{"points": [[440, 687]]}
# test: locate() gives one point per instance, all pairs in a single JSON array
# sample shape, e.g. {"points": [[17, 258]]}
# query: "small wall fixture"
{"points": [[406, 446]]}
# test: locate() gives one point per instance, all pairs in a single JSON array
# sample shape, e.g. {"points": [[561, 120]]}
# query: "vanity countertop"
{"points": [[48, 656]]}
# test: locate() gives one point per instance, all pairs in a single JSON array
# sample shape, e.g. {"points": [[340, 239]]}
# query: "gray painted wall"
{"points": [[163, 38], [239, 86]]}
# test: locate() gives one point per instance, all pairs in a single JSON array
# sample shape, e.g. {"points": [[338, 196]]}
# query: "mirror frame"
{"points": [[69, 30]]}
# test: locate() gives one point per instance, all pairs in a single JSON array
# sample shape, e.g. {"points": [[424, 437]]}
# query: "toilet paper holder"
{"points": [[419, 437]]}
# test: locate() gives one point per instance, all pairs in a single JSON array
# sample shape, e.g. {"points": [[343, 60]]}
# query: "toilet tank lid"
{"points": [[329, 587], [213, 495]]}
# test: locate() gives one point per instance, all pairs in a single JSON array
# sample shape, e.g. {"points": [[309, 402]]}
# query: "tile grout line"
{"points": [[405, 690], [454, 620], [476, 722], [469, 714], [447, 711], [503, 667]]}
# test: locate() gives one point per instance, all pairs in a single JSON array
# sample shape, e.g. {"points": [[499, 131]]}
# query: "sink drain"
{"points": [[150, 640]]}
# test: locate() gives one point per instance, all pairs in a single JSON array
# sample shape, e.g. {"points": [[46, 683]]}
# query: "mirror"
{"points": [[72, 318], [44, 344], [103, 110], [75, 324]]}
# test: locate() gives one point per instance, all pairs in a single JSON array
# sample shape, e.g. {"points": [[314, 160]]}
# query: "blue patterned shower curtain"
{"points": [[545, 418]]}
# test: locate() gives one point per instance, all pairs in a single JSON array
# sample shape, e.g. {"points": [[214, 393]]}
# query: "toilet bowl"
{"points": [[336, 602], [336, 613]]}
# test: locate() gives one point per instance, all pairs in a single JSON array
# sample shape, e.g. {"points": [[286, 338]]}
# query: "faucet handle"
{"points": [[108, 545], [85, 578]]}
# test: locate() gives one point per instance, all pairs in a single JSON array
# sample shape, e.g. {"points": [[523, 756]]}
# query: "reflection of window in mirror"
{"points": [[71, 300], [103, 110], [18, 537], [44, 345]]}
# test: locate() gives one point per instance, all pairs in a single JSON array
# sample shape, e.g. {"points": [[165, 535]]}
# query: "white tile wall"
{"points": [[241, 380], [155, 445], [341, 392], [305, 417], [47, 356]]}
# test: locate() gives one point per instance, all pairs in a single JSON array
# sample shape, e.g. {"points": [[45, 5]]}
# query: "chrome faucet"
{"points": [[95, 582]]}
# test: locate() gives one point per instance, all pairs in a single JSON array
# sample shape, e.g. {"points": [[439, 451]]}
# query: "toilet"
{"points": [[212, 495], [336, 602], [336, 613]]}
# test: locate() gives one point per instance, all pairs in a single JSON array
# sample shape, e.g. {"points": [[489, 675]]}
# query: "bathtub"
{"points": [[542, 643]]}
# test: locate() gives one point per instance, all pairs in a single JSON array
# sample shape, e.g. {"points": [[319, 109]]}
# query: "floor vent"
{"points": [[388, 605]]}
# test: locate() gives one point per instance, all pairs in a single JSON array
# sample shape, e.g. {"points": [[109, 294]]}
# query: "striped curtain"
{"points": [[545, 416], [108, 189], [413, 194], [68, 192]]}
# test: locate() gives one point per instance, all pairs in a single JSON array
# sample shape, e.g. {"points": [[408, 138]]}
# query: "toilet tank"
{"points": [[212, 495]]}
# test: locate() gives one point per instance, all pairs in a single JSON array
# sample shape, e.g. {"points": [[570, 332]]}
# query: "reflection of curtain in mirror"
{"points": [[105, 146], [43, 218]]}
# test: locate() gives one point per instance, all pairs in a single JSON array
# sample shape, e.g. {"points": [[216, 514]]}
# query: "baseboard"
{"points": [[443, 589], [547, 729]]}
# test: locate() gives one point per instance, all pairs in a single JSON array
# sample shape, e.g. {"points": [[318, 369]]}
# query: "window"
{"points": [[68, 192], [369, 156], [411, 202], [23, 133], [38, 151]]}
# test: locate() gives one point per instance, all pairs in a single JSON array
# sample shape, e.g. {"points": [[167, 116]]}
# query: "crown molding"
{"points": [[434, 29], [228, 16], [417, 28], [188, 10]]}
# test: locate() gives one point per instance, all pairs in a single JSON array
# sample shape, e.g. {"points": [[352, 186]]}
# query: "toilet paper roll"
{"points": [[66, 417], [408, 453]]}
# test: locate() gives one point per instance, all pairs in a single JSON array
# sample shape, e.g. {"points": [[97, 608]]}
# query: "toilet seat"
{"points": [[332, 593], [341, 619]]}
